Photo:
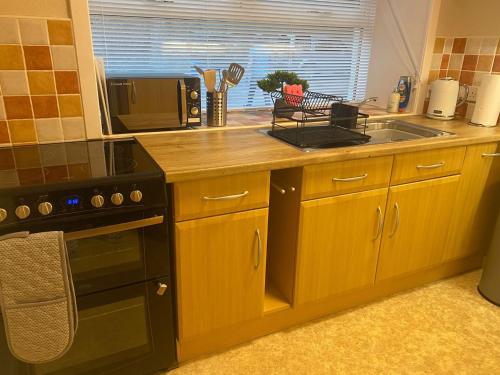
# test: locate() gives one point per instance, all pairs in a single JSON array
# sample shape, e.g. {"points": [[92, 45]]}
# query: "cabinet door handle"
{"points": [[380, 223], [396, 220], [227, 197], [431, 166], [488, 155], [350, 179], [259, 249]]}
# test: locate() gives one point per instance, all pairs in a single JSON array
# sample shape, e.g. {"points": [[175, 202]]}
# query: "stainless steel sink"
{"points": [[398, 131]]}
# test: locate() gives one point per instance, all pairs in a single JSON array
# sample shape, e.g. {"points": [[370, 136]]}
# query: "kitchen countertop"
{"points": [[190, 155]]}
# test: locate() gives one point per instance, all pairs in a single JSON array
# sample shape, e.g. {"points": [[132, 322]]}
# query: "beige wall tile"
{"points": [[49, 130], [60, 32], [9, 33], [22, 131], [485, 63], [489, 46], [456, 60], [64, 57], [448, 45], [41, 82], [34, 32], [436, 61], [473, 46], [11, 57], [73, 128], [478, 78], [14, 82]]}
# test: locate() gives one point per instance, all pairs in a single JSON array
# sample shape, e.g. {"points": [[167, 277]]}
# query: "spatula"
{"points": [[210, 76], [234, 74]]}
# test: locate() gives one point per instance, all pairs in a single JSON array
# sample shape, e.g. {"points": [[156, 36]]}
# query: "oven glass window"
{"points": [[105, 255], [107, 335]]}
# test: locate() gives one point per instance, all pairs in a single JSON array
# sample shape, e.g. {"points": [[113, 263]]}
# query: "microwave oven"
{"points": [[144, 104]]}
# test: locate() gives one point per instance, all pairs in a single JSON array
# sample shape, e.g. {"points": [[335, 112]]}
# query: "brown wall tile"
{"points": [[438, 45], [67, 82], [496, 64], [41, 82], [442, 73], [433, 75], [459, 45], [27, 157], [6, 159], [484, 63], [4, 132], [467, 77], [444, 61], [56, 173], [17, 107], [11, 57], [45, 106], [70, 105], [79, 171], [498, 47], [37, 57], [30, 176], [470, 62], [60, 32], [455, 74], [22, 131]]}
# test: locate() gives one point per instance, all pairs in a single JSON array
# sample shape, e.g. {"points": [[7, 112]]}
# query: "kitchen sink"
{"points": [[398, 131]]}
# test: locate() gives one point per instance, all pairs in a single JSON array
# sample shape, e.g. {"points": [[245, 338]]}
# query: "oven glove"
{"points": [[37, 296]]}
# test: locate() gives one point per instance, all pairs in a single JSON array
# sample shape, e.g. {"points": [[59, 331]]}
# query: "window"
{"points": [[326, 42]]}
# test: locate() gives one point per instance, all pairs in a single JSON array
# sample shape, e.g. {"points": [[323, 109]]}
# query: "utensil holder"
{"points": [[216, 108]]}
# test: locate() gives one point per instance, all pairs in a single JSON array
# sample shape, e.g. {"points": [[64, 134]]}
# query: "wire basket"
{"points": [[310, 105]]}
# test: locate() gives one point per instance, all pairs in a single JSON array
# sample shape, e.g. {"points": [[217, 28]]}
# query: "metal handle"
{"points": [[350, 179], [184, 115], [259, 248], [227, 197], [396, 221], [431, 166], [162, 288], [86, 233], [464, 99], [494, 155], [134, 93], [380, 223], [282, 190]]}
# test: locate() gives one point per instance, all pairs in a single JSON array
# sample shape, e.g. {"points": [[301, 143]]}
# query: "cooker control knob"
{"points": [[97, 201], [23, 211], [45, 208], [3, 214], [117, 199], [136, 196], [194, 95], [195, 111]]}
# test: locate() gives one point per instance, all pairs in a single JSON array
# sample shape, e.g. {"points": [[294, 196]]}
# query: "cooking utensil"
{"points": [[222, 84], [234, 74], [199, 70], [210, 77]]}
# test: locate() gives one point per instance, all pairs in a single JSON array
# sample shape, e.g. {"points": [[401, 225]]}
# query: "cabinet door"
{"points": [[220, 270], [339, 241], [416, 226], [471, 224]]}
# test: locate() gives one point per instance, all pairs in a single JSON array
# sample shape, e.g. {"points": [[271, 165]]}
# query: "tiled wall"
{"points": [[39, 85], [465, 59]]}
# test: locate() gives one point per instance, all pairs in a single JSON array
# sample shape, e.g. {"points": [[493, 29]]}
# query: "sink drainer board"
{"points": [[318, 124]]}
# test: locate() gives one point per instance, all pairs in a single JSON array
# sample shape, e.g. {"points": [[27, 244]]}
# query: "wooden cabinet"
{"points": [[220, 265], [338, 243], [416, 226]]}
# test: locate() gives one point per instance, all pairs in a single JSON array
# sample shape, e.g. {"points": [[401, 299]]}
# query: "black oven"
{"points": [[142, 104]]}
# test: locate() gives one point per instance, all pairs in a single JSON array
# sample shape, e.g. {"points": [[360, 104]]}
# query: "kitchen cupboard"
{"points": [[338, 243], [220, 266], [472, 219], [416, 226]]}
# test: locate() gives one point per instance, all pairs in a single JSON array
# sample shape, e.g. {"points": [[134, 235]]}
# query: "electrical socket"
{"points": [[472, 94]]}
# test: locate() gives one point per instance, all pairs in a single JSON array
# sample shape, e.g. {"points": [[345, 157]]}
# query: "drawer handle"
{"points": [[380, 223], [282, 190], [259, 248], [227, 197], [350, 179], [431, 166], [494, 155], [396, 220]]}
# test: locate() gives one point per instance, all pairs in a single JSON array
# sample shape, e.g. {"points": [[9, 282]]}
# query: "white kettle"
{"points": [[444, 98]]}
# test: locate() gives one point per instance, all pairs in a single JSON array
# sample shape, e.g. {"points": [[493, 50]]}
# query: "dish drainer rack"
{"points": [[316, 124]]}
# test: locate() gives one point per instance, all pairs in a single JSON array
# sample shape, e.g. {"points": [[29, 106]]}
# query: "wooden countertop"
{"points": [[189, 155]]}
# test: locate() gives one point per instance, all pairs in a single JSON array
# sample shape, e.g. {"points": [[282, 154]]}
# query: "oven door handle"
{"points": [[86, 233], [183, 99]]}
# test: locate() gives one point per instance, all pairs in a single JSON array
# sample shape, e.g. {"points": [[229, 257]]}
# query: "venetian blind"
{"points": [[326, 42]]}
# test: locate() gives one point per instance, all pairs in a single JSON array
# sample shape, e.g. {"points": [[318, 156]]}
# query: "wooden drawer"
{"points": [[422, 165], [322, 180], [220, 195]]}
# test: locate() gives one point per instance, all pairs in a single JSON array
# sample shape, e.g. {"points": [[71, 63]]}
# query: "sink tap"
{"points": [[372, 99]]}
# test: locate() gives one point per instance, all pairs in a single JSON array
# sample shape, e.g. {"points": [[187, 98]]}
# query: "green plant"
{"points": [[274, 81]]}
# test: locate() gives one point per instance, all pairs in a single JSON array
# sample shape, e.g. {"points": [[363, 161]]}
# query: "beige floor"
{"points": [[443, 328]]}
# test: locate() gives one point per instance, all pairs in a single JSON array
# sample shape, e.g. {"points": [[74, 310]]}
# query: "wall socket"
{"points": [[472, 94]]}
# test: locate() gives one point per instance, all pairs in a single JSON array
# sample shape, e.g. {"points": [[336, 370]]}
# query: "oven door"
{"points": [[126, 330], [109, 256], [147, 104]]}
